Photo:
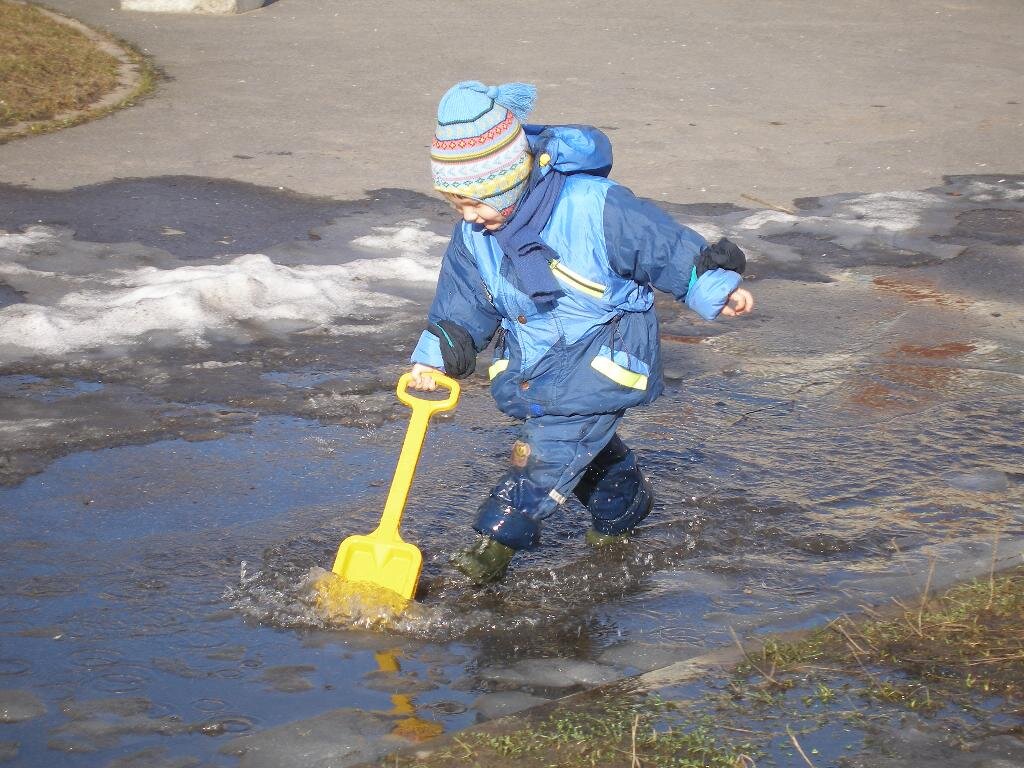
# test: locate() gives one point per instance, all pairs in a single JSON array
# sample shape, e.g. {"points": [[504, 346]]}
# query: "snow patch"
{"points": [[185, 304], [982, 192], [410, 237], [31, 236], [245, 298], [890, 211], [24, 425]]}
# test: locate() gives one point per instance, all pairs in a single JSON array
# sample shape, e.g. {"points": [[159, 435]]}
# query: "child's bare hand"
{"points": [[422, 379], [741, 302]]}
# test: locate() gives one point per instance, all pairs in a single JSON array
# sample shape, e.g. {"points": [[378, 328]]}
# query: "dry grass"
{"points": [[973, 636], [47, 68], [969, 639], [615, 731]]}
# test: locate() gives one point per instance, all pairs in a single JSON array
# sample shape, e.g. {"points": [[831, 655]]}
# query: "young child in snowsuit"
{"points": [[559, 262]]}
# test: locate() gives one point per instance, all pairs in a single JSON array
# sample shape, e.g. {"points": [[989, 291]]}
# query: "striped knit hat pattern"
{"points": [[479, 149]]}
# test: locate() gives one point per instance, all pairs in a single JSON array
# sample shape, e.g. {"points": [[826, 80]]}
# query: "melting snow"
{"points": [[247, 296]]}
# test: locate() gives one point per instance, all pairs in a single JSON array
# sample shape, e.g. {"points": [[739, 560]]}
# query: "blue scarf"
{"points": [[520, 239]]}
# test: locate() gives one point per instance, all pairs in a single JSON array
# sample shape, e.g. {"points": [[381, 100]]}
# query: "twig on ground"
{"points": [[924, 598], [465, 746], [992, 571], [870, 611], [773, 206], [750, 660], [792, 737], [838, 624], [738, 730], [635, 761], [906, 608]]}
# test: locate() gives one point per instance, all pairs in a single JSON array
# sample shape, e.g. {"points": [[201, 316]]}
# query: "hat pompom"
{"points": [[517, 98], [463, 100]]}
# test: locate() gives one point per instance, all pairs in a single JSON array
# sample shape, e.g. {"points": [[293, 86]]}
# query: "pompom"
{"points": [[517, 98]]}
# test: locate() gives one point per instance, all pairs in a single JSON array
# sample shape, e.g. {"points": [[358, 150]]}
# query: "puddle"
{"points": [[168, 503]]}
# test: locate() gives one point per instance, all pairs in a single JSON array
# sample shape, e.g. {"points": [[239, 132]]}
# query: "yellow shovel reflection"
{"points": [[413, 727]]}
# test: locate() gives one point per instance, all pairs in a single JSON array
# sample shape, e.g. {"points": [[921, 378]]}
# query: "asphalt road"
{"points": [[779, 99]]}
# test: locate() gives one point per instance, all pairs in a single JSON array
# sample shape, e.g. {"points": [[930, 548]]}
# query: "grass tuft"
{"points": [[973, 636], [47, 68], [52, 75], [970, 639], [622, 732]]}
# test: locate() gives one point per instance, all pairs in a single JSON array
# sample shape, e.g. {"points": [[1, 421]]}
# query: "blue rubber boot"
{"points": [[615, 492]]}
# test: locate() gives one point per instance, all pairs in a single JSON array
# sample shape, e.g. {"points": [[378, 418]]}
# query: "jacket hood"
{"points": [[571, 148]]}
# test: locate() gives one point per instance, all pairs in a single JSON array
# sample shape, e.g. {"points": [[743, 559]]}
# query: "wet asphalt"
{"points": [[166, 504], [162, 504]]}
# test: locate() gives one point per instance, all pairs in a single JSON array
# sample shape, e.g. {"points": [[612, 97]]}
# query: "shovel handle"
{"points": [[422, 410], [429, 406]]}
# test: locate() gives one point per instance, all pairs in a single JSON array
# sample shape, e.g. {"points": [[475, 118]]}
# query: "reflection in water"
{"points": [[409, 725], [907, 385]]}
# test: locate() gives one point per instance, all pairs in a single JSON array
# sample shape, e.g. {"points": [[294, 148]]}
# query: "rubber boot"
{"points": [[597, 539], [485, 562]]}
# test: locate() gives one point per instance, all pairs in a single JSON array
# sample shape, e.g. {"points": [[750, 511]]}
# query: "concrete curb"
{"points": [[129, 80], [205, 7], [720, 660]]}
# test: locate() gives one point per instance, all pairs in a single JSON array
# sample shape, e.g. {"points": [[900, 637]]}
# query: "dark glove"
{"points": [[457, 348], [724, 254]]}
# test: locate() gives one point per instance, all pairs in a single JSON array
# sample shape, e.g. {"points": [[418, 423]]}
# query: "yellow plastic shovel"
{"points": [[382, 558]]}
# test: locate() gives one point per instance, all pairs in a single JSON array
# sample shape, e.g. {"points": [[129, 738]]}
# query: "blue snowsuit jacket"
{"points": [[595, 349]]}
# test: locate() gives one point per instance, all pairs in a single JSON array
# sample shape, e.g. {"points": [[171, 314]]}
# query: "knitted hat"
{"points": [[479, 149]]}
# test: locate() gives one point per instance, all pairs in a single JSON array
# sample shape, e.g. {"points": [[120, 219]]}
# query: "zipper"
{"points": [[577, 280]]}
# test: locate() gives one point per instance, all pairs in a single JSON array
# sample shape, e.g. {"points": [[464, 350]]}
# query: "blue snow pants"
{"points": [[558, 455]]}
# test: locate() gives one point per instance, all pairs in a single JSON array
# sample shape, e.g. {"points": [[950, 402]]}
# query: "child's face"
{"points": [[476, 212]]}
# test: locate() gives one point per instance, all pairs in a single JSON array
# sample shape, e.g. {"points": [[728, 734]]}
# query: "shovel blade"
{"points": [[387, 563]]}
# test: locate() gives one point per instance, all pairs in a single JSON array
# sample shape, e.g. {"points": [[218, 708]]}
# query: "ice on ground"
{"points": [[916, 742], [19, 706], [13, 429], [29, 237], [1001, 190], [339, 737], [983, 480], [852, 223], [890, 211], [899, 220], [763, 219], [172, 303], [289, 678], [501, 703], [8, 751], [880, 211], [707, 230], [550, 673], [645, 657], [154, 757], [102, 723]]}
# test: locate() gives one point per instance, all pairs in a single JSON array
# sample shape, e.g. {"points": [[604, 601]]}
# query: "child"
{"points": [[559, 262]]}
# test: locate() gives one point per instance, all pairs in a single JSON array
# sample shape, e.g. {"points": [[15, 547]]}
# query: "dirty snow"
{"points": [[239, 299]]}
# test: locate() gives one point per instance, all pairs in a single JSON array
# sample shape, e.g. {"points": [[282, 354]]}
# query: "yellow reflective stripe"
{"points": [[497, 367], [579, 282], [618, 374]]}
